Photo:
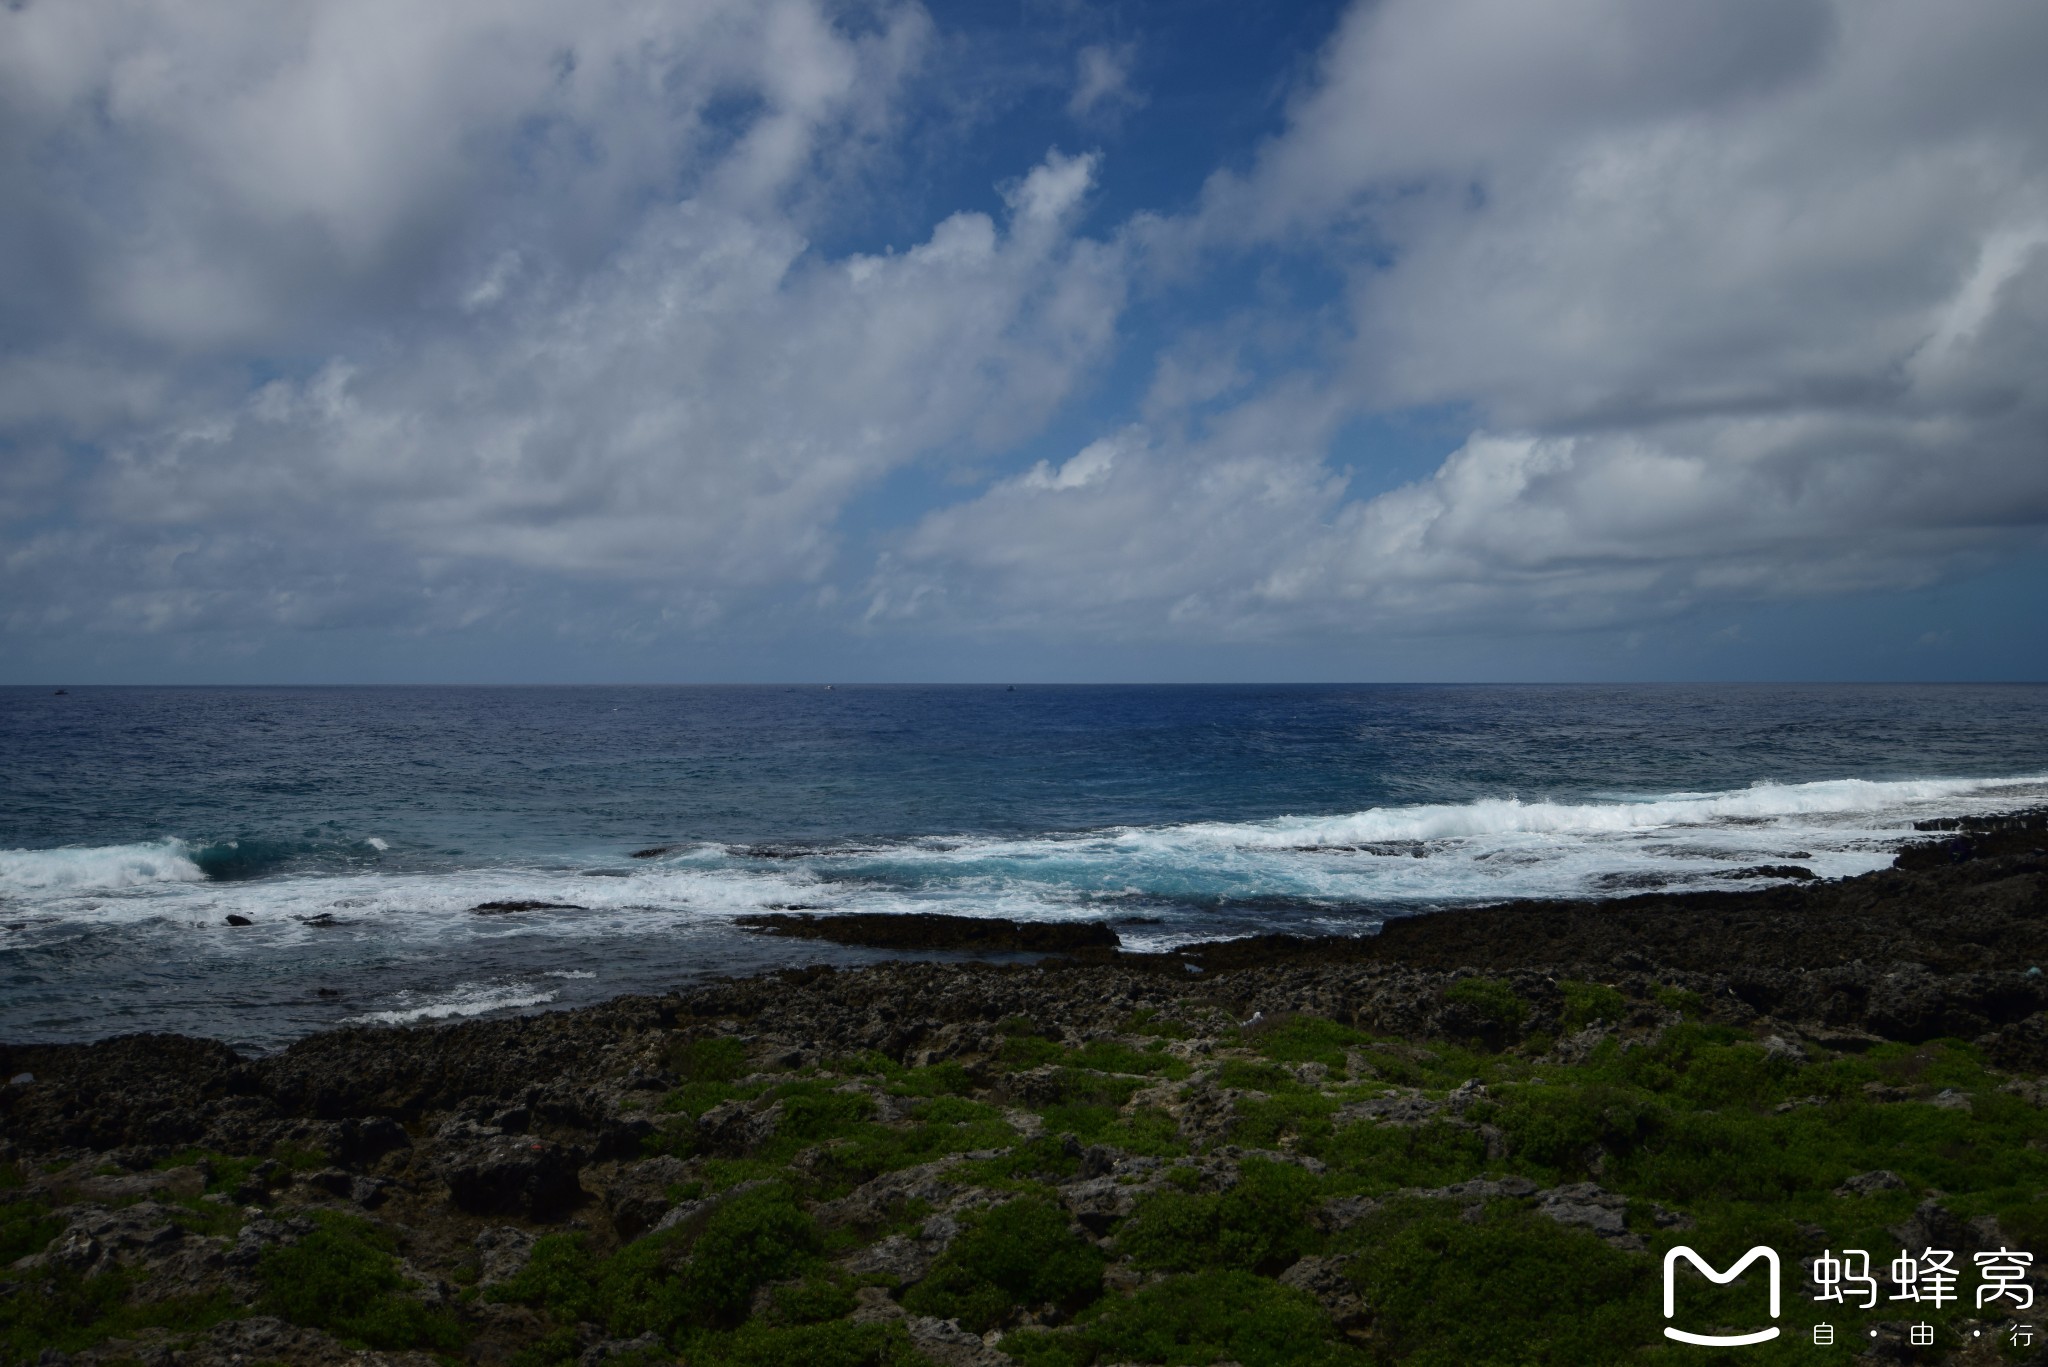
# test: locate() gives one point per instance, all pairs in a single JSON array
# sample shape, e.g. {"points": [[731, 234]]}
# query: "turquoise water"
{"points": [[356, 829]]}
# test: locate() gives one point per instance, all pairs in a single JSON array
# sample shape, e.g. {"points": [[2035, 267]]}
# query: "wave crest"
{"points": [[1511, 816], [99, 868]]}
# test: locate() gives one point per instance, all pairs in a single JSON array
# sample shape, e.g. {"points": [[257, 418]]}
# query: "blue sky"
{"points": [[352, 340]]}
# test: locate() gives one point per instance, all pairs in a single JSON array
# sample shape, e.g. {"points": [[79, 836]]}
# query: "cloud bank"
{"points": [[366, 315]]}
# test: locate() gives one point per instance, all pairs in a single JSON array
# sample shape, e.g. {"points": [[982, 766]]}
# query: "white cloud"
{"points": [[359, 312], [1102, 82], [544, 277], [1749, 300]]}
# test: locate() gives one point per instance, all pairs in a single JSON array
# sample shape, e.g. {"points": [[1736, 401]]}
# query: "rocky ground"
{"points": [[1466, 1140]]}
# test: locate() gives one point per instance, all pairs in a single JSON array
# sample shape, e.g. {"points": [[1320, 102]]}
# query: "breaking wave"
{"points": [[100, 868], [463, 999], [1762, 802]]}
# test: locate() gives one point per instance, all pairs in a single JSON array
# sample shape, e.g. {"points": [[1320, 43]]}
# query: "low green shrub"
{"points": [[1192, 1321], [1014, 1255], [1494, 1002], [1590, 1004], [1515, 1287], [1259, 1225], [63, 1312], [344, 1278], [1309, 1039], [813, 1345], [671, 1282]]}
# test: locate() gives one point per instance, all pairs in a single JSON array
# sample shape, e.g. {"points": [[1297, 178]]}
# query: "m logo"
{"points": [[1769, 1256]]}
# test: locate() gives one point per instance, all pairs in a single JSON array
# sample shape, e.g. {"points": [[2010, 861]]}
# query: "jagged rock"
{"points": [[1591, 1207], [1465, 1094], [1324, 1279], [259, 1235], [98, 1240], [1864, 1183], [1408, 1107], [1952, 1100], [502, 1252], [874, 1305], [1345, 1211], [1780, 1048], [600, 1353], [508, 1174], [876, 1202], [636, 1195], [738, 1128], [948, 1345], [264, 1339]]}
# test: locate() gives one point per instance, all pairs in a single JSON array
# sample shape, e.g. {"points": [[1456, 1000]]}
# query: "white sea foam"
{"points": [[463, 999], [378, 843], [1355, 864], [76, 871], [1770, 802]]}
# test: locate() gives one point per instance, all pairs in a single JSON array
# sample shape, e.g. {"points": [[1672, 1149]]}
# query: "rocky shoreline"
{"points": [[1250, 1125]]}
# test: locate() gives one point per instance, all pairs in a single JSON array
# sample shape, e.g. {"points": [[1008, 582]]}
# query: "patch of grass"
{"points": [[1590, 1004], [1108, 1056], [1250, 1076], [1303, 1118], [941, 1079], [671, 1282], [1014, 1255], [294, 1157], [344, 1278], [813, 1300], [1148, 1021], [206, 1217], [1147, 1130], [1309, 1039], [946, 1124], [26, 1227], [1515, 1287], [1260, 1224], [1492, 1001], [1388, 1157], [1687, 1003], [1192, 1321], [64, 1312], [707, 1072], [1028, 1051], [1044, 1159], [1559, 1129], [815, 1345]]}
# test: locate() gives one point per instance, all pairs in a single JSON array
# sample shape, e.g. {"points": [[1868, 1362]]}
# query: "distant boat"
{"points": [[828, 688], [62, 692], [1011, 689]]}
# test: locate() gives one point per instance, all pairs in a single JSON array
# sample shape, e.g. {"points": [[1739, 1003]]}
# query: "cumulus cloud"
{"points": [[1102, 81], [1748, 299], [345, 313], [541, 283]]}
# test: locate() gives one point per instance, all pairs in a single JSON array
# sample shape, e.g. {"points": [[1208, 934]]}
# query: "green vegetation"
{"points": [[1590, 1004], [1200, 1319], [344, 1278], [682, 1280], [1494, 1003], [1259, 1225], [1174, 1252], [65, 1312], [1020, 1254]]}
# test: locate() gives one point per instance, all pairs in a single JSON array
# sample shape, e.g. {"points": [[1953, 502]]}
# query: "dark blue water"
{"points": [[357, 828]]}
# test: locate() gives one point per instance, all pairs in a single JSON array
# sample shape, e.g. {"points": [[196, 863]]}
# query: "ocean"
{"points": [[357, 829]]}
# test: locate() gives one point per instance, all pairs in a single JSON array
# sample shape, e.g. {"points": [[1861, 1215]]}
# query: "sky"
{"points": [[735, 340]]}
